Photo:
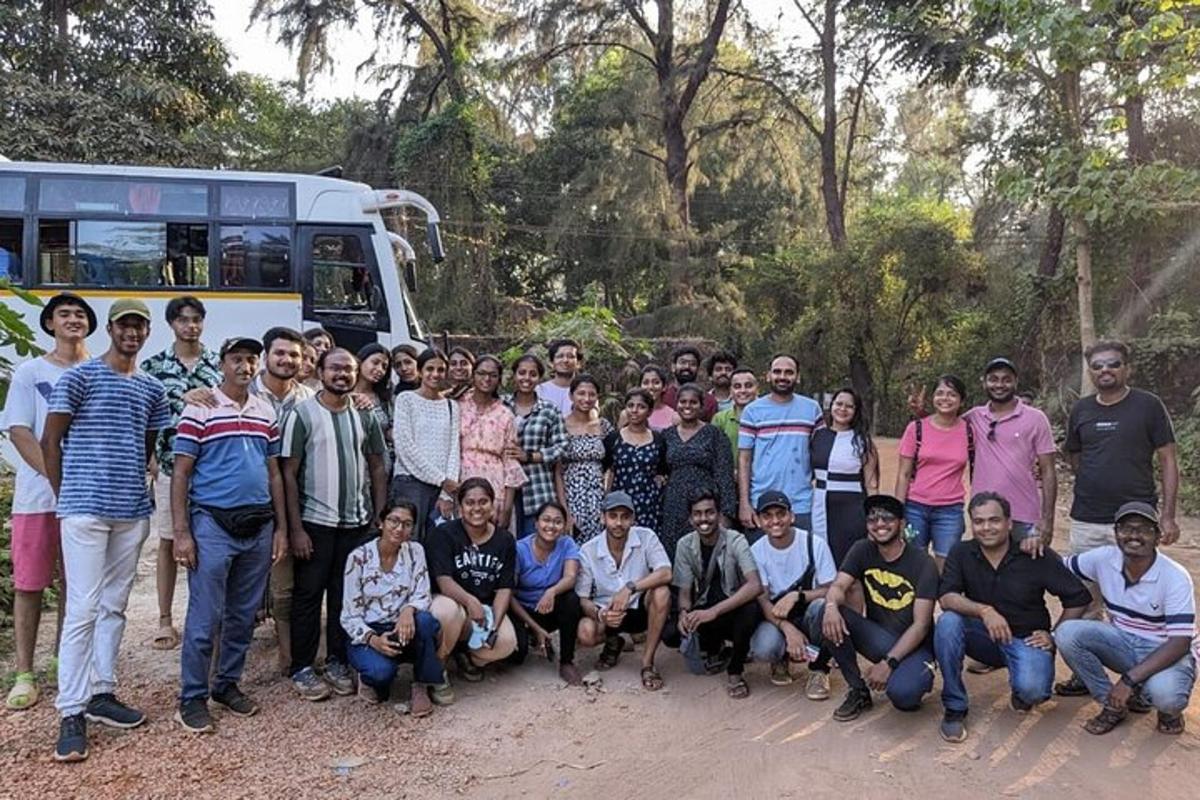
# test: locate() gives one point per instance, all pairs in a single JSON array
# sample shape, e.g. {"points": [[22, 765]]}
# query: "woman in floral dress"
{"points": [[579, 473], [488, 434], [635, 459]]}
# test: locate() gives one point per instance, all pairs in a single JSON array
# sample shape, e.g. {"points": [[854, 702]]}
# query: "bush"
{"points": [[6, 570]]}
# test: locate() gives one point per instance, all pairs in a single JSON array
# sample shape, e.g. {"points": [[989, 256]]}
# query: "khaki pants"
{"points": [[453, 619], [1087, 536]]}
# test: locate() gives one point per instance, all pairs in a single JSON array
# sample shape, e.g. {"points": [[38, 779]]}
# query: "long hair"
{"points": [[383, 386], [864, 445]]}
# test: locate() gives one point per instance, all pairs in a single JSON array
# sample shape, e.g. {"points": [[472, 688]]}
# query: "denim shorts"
{"points": [[941, 525]]}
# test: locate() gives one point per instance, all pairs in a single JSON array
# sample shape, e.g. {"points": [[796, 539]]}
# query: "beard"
{"points": [[683, 376]]}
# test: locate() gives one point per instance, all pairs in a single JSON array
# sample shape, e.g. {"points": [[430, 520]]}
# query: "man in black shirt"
{"points": [[900, 585], [993, 596]]}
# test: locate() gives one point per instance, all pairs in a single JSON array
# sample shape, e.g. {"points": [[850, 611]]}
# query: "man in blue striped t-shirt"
{"points": [[103, 418]]}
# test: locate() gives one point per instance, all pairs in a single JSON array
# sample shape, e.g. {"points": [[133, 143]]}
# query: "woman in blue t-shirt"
{"points": [[545, 599]]}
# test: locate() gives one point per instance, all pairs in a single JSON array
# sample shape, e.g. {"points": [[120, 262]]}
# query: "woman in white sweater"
{"points": [[425, 433]]}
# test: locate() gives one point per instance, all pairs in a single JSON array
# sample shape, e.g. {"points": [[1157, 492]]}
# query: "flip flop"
{"points": [[24, 693], [651, 680], [167, 638], [611, 653], [738, 688]]}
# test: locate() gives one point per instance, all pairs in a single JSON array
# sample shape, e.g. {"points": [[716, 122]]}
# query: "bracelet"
{"points": [[1128, 681]]}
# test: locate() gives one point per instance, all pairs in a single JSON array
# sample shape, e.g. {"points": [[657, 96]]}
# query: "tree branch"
{"points": [[868, 67], [650, 155], [639, 19], [708, 51], [812, 23], [566, 47], [805, 119]]}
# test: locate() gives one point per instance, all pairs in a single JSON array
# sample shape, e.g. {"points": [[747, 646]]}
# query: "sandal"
{"points": [[570, 673], [738, 688], [420, 705], [467, 668], [24, 693], [1105, 721], [611, 654], [1170, 724], [651, 680], [167, 638]]}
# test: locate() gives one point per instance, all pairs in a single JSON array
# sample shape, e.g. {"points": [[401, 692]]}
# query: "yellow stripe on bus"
{"points": [[131, 292]]}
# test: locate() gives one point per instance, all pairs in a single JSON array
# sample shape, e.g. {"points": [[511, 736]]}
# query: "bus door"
{"points": [[341, 283]]}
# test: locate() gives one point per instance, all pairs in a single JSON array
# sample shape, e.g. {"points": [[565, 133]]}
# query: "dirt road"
{"points": [[521, 735]]}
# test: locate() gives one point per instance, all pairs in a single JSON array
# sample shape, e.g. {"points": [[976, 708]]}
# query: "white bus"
{"points": [[259, 249]]}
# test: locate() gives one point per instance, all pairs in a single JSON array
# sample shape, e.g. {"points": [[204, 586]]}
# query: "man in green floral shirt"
{"points": [[185, 365]]}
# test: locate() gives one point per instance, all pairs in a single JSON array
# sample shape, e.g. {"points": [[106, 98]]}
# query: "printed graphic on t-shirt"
{"points": [[888, 590], [478, 567], [44, 389]]}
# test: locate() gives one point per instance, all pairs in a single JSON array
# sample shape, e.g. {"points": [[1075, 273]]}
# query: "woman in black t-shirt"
{"points": [[474, 566]]}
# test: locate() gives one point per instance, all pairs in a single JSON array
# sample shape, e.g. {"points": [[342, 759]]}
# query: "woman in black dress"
{"points": [[635, 459], [698, 457], [845, 470]]}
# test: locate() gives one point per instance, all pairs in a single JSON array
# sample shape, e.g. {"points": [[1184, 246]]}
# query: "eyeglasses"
{"points": [[397, 522], [1136, 530], [1112, 363], [881, 516]]}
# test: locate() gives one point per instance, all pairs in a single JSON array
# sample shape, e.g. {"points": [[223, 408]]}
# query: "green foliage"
{"points": [[608, 350], [6, 568], [15, 333]]}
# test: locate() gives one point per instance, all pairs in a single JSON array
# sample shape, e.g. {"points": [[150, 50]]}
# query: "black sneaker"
{"points": [[108, 710], [194, 717], [856, 702], [954, 727], [235, 701], [72, 739], [1073, 687]]}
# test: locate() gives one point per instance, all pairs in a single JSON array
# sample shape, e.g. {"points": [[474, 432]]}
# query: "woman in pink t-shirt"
{"points": [[934, 454]]}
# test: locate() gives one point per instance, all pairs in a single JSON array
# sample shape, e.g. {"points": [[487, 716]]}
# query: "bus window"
{"points": [[10, 250], [12, 194], [256, 256], [122, 254], [256, 201], [344, 288], [123, 196]]}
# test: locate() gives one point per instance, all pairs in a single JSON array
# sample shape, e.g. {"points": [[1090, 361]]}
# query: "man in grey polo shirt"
{"points": [[615, 571]]}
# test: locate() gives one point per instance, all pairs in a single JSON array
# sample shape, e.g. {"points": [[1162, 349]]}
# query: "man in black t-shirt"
{"points": [[900, 584], [1113, 437]]}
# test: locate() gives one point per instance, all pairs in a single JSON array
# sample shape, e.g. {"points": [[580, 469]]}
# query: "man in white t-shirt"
{"points": [[795, 568], [566, 360], [35, 531]]}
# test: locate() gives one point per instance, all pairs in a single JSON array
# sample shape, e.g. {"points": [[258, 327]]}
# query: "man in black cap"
{"points": [[900, 584], [1149, 638], [227, 501], [35, 530], [615, 571]]}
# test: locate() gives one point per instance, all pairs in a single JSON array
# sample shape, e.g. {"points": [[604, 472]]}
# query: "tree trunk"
{"points": [[1083, 282], [835, 219], [860, 374], [1134, 306], [1030, 357], [680, 281]]}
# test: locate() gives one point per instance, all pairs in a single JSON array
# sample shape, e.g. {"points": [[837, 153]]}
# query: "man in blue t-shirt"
{"points": [[773, 436], [104, 416]]}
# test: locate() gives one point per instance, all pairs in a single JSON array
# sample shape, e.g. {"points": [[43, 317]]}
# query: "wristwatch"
{"points": [[892, 663], [631, 586], [1128, 681]]}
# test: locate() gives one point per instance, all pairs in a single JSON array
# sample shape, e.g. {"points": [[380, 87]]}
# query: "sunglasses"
{"points": [[881, 516], [992, 430], [1112, 363]]}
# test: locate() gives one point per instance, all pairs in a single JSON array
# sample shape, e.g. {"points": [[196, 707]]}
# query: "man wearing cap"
{"points": [[615, 572], [994, 610], [104, 416], [1149, 640], [185, 365], [226, 499], [900, 585], [796, 568], [35, 530]]}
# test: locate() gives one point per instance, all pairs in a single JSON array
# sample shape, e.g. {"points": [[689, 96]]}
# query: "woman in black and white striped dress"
{"points": [[845, 470]]}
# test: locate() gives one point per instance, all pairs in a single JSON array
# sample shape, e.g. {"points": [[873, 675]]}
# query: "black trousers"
{"points": [[564, 618], [321, 574], [735, 627]]}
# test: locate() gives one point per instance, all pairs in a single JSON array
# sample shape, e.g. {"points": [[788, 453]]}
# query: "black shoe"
{"points": [[856, 702], [194, 717], [1074, 687], [235, 701], [1138, 704], [108, 710], [954, 727], [72, 739], [1018, 704]]}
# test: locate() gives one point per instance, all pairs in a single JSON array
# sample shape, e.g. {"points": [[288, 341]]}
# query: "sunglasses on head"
{"points": [[1112, 363]]}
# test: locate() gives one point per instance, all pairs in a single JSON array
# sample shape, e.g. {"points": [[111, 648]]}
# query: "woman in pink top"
{"points": [[654, 381], [934, 454], [487, 427]]}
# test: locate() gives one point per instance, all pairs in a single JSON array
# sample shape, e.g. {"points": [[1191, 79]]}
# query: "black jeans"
{"points": [[423, 495], [735, 627], [321, 574], [564, 618]]}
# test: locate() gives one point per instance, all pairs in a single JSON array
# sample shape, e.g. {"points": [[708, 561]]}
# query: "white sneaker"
{"points": [[817, 687]]}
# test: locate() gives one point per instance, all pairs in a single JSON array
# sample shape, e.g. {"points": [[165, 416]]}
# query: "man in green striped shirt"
{"points": [[336, 483]]}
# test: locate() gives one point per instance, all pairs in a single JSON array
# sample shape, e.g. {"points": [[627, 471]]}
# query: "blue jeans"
{"points": [[224, 593], [767, 644], [378, 671], [942, 525], [1088, 646], [910, 681], [1030, 670]]}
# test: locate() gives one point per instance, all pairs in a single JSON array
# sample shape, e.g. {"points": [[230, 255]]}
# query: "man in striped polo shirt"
{"points": [[1149, 641], [226, 499], [773, 436], [104, 417], [336, 484]]}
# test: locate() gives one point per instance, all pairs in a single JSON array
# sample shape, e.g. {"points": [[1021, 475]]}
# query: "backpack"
{"points": [[970, 448]]}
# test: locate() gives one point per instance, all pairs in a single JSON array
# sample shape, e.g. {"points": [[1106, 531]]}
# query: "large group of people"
{"points": [[426, 518]]}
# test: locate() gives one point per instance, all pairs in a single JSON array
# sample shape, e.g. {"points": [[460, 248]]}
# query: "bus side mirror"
{"points": [[410, 276], [434, 235]]}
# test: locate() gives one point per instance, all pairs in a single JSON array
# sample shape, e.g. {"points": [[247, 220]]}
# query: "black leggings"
{"points": [[735, 627], [564, 618]]}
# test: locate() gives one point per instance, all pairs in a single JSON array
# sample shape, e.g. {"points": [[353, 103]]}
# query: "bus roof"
{"points": [[310, 182]]}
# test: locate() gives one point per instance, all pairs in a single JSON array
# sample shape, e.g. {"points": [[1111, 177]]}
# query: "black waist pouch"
{"points": [[242, 522]]}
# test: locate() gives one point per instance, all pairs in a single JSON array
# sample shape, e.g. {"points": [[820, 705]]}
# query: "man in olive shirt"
{"points": [[993, 599]]}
